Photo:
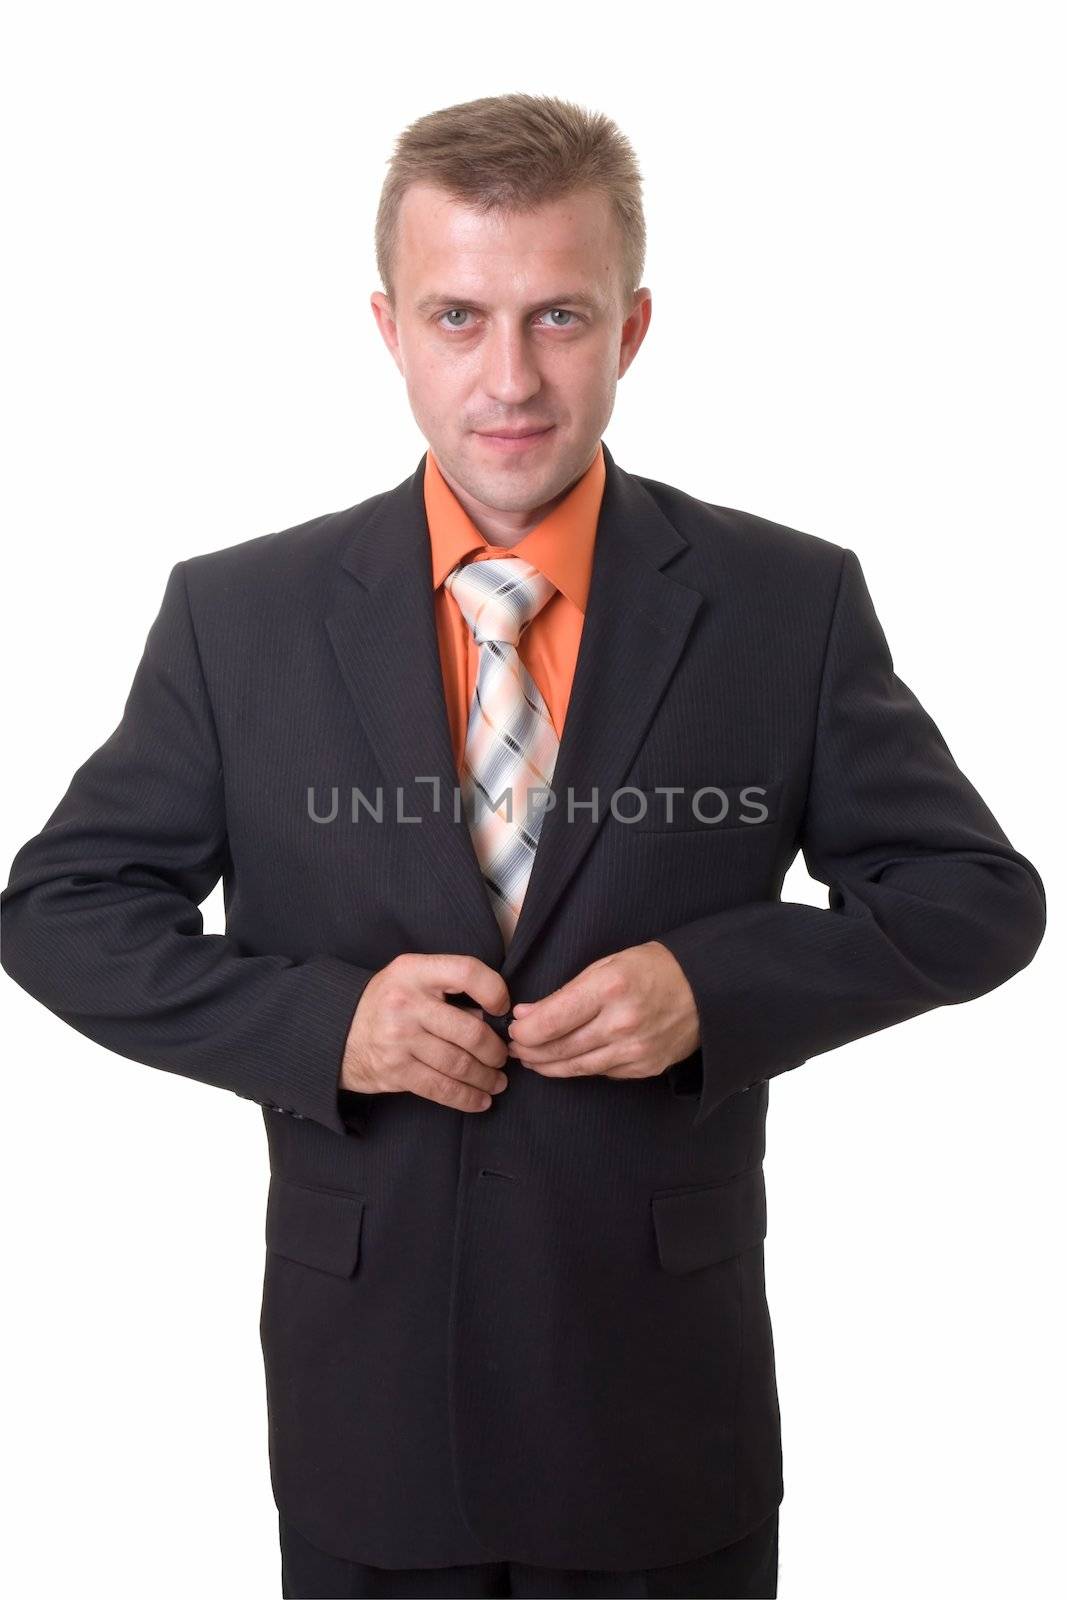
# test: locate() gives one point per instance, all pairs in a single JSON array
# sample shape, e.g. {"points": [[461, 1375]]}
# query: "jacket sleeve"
{"points": [[100, 918], [929, 905]]}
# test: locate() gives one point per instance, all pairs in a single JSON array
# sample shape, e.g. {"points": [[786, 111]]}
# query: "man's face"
{"points": [[510, 323]]}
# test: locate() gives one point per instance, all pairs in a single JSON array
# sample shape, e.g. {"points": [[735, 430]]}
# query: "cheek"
{"points": [[588, 379], [434, 395], [458, 386]]}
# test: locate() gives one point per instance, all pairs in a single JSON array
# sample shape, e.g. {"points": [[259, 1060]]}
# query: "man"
{"points": [[502, 770]]}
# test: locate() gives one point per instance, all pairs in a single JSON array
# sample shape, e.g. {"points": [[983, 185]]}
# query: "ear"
{"points": [[385, 317]]}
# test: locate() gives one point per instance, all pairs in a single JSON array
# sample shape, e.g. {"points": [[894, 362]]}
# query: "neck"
{"points": [[504, 529]]}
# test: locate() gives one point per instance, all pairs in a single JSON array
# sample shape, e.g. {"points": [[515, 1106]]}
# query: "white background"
{"points": [[857, 331]]}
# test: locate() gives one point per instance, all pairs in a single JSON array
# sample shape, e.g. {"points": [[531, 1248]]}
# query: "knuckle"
{"points": [[472, 1031], [390, 1027], [434, 1087], [420, 1080]]}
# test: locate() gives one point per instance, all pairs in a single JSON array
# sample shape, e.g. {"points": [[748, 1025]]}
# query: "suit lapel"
{"points": [[383, 630], [636, 624]]}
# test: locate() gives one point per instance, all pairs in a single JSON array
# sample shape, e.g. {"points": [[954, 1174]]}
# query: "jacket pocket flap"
{"points": [[696, 1227], [318, 1227]]}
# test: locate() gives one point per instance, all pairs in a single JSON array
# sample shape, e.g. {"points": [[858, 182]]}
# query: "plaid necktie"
{"points": [[511, 744]]}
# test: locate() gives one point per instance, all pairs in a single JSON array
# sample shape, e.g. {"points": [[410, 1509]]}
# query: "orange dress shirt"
{"points": [[561, 546]]}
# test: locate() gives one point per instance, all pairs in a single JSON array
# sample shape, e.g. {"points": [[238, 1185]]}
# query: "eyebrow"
{"points": [[430, 302]]}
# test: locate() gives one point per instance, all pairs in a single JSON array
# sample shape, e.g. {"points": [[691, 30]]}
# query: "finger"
{"points": [[452, 1061], [467, 975], [557, 1013], [464, 1028], [590, 1036], [586, 1065], [447, 1090]]}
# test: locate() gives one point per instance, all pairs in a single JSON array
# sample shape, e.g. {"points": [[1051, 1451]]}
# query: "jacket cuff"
{"points": [[305, 1069], [712, 1073]]}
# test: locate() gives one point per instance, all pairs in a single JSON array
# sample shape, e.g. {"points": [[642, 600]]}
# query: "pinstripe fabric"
{"points": [[539, 1333], [511, 746]]}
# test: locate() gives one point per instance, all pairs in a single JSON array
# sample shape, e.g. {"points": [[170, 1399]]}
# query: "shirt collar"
{"points": [[561, 545]]}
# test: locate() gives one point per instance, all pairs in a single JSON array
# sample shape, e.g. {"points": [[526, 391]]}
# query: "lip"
{"points": [[515, 441]]}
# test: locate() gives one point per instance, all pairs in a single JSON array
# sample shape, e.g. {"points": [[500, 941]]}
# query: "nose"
{"points": [[509, 372]]}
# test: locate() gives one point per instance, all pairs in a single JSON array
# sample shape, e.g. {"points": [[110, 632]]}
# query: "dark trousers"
{"points": [[749, 1567]]}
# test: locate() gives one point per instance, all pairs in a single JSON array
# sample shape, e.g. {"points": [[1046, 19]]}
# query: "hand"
{"points": [[629, 1015], [405, 1035]]}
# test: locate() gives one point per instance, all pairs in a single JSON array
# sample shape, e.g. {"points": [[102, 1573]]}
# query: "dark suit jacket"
{"points": [[538, 1332]]}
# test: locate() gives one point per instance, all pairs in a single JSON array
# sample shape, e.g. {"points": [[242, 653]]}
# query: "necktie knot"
{"points": [[499, 598]]}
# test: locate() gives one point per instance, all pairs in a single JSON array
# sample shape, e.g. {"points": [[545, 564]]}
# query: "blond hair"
{"points": [[512, 153]]}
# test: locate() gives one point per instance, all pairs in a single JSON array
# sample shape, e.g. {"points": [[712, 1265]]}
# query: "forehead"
{"points": [[459, 247]]}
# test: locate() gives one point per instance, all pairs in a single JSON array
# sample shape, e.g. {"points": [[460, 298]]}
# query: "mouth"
{"points": [[527, 439]]}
